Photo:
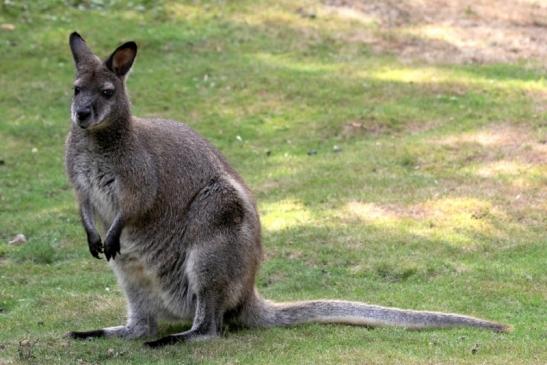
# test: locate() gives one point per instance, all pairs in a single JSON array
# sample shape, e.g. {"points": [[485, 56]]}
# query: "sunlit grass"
{"points": [[456, 221], [284, 214], [435, 75]]}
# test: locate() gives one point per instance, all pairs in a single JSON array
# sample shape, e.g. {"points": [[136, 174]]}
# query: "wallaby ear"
{"points": [[121, 60], [80, 51]]}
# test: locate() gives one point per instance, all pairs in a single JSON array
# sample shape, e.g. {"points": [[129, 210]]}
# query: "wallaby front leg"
{"points": [[93, 237], [112, 241]]}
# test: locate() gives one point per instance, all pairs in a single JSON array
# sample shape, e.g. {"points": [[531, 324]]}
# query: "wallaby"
{"points": [[181, 229]]}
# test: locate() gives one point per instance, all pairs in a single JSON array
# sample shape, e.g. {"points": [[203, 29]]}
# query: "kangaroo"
{"points": [[181, 229]]}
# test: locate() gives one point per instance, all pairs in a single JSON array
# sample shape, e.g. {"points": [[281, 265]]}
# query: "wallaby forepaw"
{"points": [[111, 248], [95, 247]]}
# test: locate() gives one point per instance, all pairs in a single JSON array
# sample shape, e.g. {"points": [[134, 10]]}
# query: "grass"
{"points": [[434, 197]]}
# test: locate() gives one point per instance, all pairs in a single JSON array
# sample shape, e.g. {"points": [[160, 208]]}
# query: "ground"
{"points": [[397, 149]]}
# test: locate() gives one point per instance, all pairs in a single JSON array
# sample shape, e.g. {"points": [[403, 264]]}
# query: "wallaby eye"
{"points": [[76, 90], [107, 93]]}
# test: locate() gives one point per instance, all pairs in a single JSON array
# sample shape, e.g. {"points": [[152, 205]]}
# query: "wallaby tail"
{"points": [[263, 313]]}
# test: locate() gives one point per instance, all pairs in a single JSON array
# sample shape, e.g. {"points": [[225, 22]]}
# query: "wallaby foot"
{"points": [[118, 331], [190, 335], [84, 335], [132, 331]]}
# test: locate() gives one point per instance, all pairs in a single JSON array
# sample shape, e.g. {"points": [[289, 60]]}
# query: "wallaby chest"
{"points": [[95, 177]]}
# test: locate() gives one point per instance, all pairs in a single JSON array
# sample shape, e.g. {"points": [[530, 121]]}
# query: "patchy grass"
{"points": [[379, 178]]}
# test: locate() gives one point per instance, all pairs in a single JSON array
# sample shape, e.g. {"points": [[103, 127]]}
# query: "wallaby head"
{"points": [[100, 98]]}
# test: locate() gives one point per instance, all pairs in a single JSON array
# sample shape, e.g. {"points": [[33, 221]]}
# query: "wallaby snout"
{"points": [[83, 116], [84, 113]]}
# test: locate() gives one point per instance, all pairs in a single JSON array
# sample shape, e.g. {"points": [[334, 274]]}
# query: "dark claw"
{"points": [[111, 247], [95, 246], [167, 340]]}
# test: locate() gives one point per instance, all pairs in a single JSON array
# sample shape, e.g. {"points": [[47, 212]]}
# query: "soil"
{"points": [[452, 31]]}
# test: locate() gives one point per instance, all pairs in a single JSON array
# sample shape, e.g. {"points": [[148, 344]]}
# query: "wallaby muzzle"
{"points": [[83, 116]]}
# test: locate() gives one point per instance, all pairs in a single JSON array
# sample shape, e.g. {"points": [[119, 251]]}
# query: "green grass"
{"points": [[435, 201]]}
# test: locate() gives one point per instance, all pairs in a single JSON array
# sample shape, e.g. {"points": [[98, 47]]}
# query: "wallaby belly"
{"points": [[142, 280]]}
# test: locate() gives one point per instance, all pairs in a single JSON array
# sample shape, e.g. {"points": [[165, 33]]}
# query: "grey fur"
{"points": [[181, 229]]}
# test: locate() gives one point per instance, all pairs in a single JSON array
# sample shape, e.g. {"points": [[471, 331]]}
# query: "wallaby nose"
{"points": [[83, 114]]}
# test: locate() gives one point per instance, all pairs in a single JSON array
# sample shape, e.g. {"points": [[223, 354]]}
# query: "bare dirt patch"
{"points": [[452, 31], [504, 142], [362, 128], [373, 128]]}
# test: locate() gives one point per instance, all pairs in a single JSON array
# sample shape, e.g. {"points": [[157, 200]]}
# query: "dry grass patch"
{"points": [[451, 31], [504, 144], [456, 220]]}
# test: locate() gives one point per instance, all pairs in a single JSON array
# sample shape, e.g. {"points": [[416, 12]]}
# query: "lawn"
{"points": [[388, 173]]}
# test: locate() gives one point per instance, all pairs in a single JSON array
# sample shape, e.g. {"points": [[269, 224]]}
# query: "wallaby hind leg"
{"points": [[136, 327], [207, 323], [133, 329], [140, 320]]}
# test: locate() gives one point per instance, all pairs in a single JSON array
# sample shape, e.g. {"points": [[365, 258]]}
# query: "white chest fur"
{"points": [[103, 201], [98, 182]]}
